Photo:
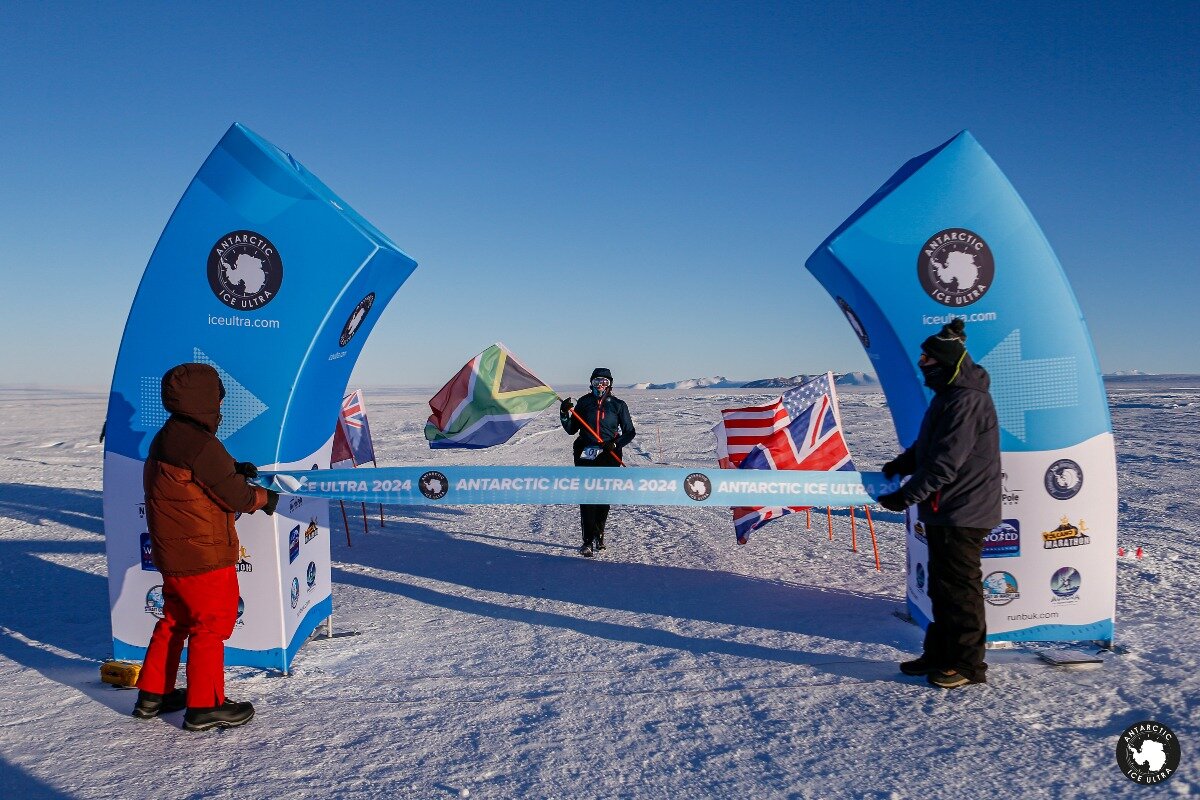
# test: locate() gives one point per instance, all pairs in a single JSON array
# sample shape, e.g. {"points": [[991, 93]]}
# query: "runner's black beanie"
{"points": [[947, 345], [600, 372]]}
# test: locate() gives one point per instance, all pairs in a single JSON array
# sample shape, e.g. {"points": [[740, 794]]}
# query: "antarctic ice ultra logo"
{"points": [[1064, 479], [956, 267], [859, 330], [698, 486], [356, 319], [433, 485], [1148, 752], [244, 270]]}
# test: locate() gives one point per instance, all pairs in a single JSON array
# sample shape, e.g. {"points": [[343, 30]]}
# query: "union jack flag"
{"points": [[800, 430], [352, 439]]}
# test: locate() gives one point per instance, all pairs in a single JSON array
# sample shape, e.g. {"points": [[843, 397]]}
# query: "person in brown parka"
{"points": [[193, 490]]}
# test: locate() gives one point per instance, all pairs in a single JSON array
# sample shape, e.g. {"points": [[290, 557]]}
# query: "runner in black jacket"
{"points": [[608, 417], [956, 486]]}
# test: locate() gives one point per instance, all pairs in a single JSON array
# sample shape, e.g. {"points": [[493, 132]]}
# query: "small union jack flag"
{"points": [[800, 430], [353, 431]]}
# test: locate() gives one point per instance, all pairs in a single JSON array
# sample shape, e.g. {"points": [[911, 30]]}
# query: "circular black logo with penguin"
{"points": [[1148, 752], [356, 319], [956, 267], [697, 486], [859, 330], [1064, 479], [433, 485], [244, 270]]}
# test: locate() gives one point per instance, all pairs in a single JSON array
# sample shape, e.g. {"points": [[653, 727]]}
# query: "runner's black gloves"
{"points": [[245, 468], [564, 410], [892, 501], [272, 501], [610, 446], [891, 469]]}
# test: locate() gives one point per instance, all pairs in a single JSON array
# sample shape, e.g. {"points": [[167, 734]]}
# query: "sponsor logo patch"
{"points": [[1064, 479], [1000, 588], [1004, 541]]}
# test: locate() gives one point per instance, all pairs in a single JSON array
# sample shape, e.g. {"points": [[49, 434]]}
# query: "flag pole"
{"points": [[595, 435], [829, 516], [345, 522]]}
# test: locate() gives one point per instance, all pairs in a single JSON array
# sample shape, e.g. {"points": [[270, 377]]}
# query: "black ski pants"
{"points": [[955, 639], [593, 516]]}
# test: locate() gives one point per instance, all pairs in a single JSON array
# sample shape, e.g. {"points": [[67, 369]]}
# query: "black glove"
{"points": [[246, 468], [564, 410], [892, 501], [272, 501], [610, 446], [890, 469]]}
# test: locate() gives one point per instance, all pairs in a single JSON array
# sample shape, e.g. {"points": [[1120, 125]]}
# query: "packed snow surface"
{"points": [[492, 661]]}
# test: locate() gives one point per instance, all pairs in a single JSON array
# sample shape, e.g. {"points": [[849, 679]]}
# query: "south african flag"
{"points": [[489, 400]]}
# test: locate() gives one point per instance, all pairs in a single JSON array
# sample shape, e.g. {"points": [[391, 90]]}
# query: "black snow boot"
{"points": [[600, 543], [229, 715], [586, 550], [149, 705], [918, 666]]}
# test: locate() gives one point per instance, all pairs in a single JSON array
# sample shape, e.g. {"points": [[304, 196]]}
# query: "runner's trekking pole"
{"points": [[588, 428]]}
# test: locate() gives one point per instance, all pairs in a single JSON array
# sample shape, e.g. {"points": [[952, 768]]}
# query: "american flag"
{"points": [[354, 427], [800, 430]]}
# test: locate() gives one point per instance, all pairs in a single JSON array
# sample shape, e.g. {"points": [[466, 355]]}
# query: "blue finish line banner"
{"points": [[640, 486]]}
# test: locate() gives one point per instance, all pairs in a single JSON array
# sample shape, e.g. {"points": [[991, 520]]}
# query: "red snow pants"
{"points": [[201, 609]]}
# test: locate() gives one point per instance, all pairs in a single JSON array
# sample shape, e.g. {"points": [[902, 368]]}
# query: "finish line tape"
{"points": [[640, 486]]}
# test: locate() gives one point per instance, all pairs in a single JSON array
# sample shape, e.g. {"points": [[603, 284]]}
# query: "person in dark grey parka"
{"points": [[956, 486]]}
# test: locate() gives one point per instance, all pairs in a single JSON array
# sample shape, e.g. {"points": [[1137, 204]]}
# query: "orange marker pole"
{"points": [[588, 428], [829, 516], [874, 544], [808, 519], [853, 532]]}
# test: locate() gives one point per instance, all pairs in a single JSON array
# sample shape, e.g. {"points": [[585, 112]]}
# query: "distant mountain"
{"points": [[719, 382], [856, 379], [716, 382], [1126, 373]]}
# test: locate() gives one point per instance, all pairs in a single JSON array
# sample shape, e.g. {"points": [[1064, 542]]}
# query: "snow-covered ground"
{"points": [[492, 660]]}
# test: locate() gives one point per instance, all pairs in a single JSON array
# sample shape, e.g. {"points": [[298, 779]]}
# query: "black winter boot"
{"points": [[229, 715], [149, 705], [918, 666]]}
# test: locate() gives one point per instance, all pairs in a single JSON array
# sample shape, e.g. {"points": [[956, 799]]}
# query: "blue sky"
{"points": [[636, 185]]}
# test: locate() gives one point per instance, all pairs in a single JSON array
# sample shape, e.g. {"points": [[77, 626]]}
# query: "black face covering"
{"points": [[937, 375]]}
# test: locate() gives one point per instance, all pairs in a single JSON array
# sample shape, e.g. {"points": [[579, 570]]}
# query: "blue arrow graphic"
{"points": [[1033, 385], [240, 407]]}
